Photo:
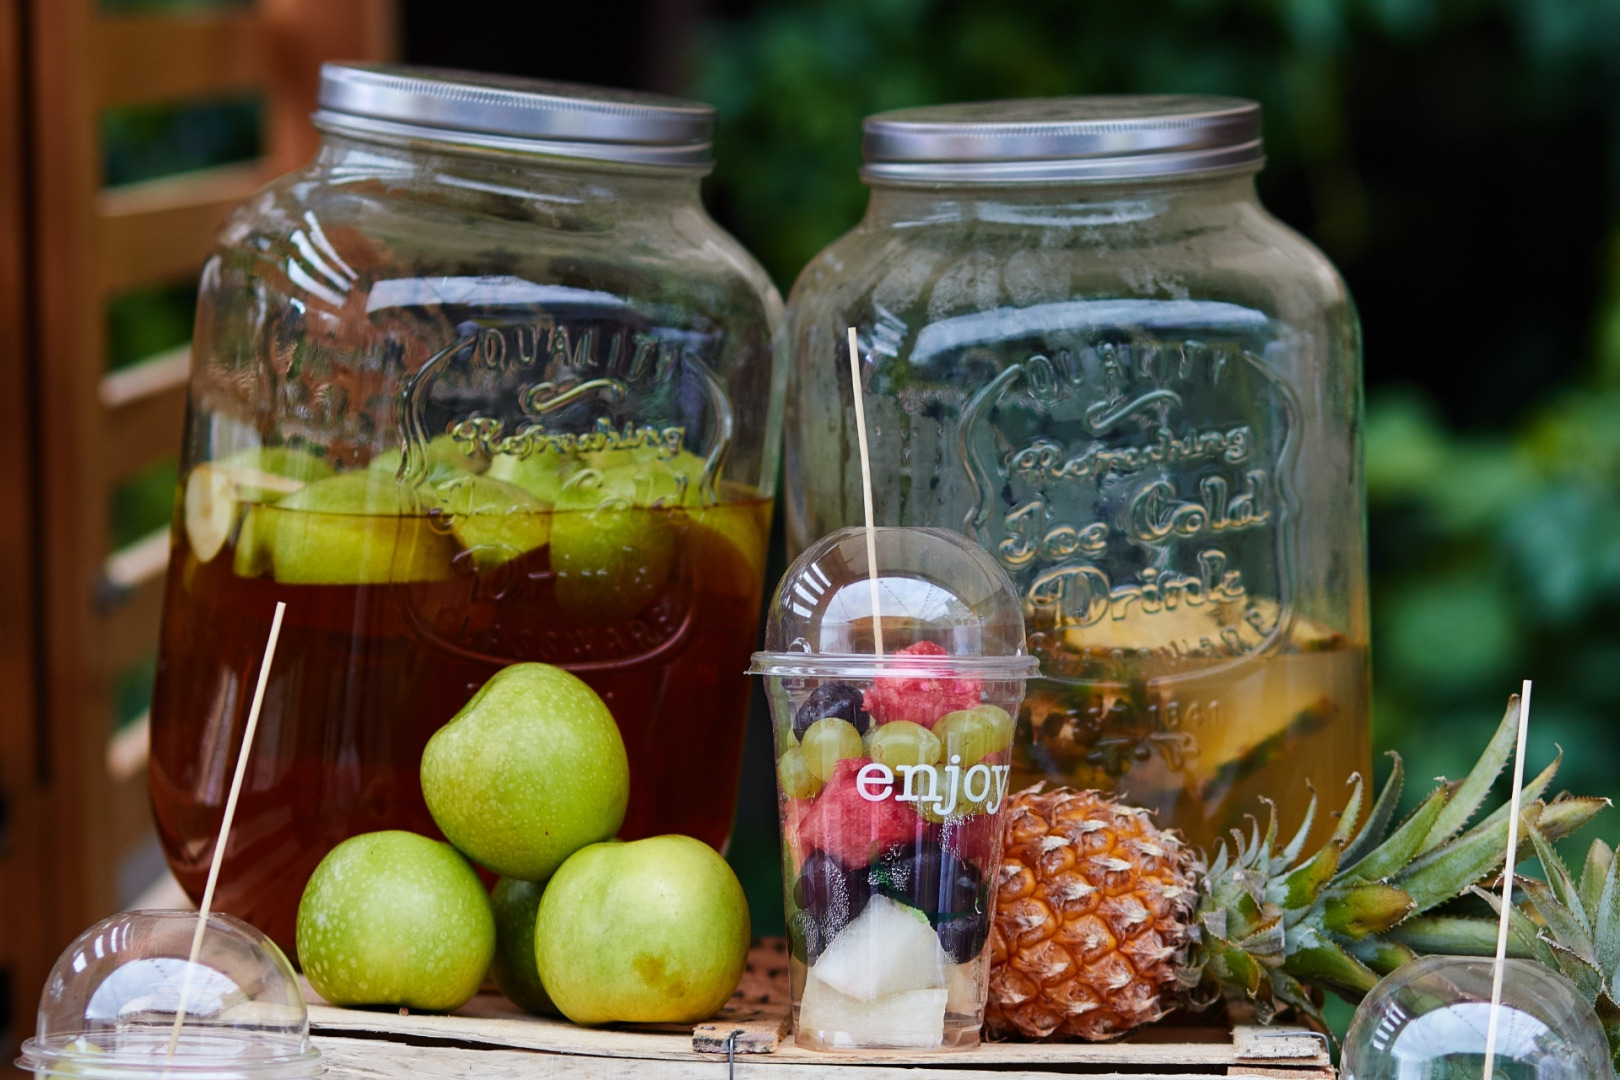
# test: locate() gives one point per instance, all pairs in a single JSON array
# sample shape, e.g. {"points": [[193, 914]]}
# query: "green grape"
{"points": [[900, 742], [798, 782], [826, 742], [965, 807], [974, 734]]}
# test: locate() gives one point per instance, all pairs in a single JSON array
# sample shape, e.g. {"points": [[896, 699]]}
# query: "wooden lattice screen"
{"points": [[79, 606]]}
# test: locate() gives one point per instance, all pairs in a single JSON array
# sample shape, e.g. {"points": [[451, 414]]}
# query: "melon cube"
{"points": [[888, 949], [911, 1019]]}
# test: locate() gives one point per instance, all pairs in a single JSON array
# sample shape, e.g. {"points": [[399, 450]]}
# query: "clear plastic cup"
{"points": [[109, 1005], [892, 773]]}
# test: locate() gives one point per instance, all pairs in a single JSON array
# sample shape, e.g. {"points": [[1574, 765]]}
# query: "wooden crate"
{"points": [[74, 611], [491, 1039]]}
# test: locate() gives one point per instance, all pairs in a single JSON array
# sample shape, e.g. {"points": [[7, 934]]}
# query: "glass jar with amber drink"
{"points": [[1087, 345], [482, 384]]}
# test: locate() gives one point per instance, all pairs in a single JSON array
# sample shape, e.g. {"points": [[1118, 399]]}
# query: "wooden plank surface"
{"points": [[489, 1024], [131, 628], [152, 58], [144, 432], [158, 232], [306, 33], [372, 1059]]}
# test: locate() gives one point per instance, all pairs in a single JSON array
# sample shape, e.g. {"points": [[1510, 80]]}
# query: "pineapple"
{"points": [[1093, 915], [1104, 922]]}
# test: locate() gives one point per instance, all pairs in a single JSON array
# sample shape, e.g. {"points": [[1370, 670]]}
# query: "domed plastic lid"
{"points": [[934, 586], [109, 1005], [1431, 1018]]}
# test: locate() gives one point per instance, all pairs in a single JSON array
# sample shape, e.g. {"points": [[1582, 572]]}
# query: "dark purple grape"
{"points": [[829, 894], [933, 880], [963, 936], [838, 699]]}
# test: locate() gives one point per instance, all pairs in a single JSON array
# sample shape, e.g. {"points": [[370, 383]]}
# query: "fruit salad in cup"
{"points": [[891, 788]]}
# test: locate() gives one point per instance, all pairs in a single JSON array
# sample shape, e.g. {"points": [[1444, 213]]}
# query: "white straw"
{"points": [[225, 827], [866, 489], [1507, 882]]}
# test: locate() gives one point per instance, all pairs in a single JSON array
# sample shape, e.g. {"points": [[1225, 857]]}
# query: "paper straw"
{"points": [[866, 490], [225, 827], [1507, 882]]}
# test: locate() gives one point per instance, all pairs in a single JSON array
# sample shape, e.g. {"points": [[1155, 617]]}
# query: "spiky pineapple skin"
{"points": [[1092, 918]]}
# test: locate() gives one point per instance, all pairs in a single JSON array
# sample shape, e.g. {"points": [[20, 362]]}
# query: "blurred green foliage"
{"points": [[132, 691], [170, 7], [142, 504], [1499, 559], [793, 78], [144, 142], [145, 322]]}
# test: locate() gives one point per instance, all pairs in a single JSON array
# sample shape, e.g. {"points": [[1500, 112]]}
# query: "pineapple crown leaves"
{"points": [[1271, 927], [1569, 925]]}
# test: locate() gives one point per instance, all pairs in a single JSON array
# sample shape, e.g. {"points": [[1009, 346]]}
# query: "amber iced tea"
{"points": [[656, 608], [1201, 740]]}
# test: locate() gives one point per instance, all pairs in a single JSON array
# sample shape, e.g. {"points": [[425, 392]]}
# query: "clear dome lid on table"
{"points": [[1430, 1019], [933, 586], [109, 1005]]}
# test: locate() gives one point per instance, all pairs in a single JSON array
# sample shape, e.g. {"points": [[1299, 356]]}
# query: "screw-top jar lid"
{"points": [[500, 112], [1121, 137]]}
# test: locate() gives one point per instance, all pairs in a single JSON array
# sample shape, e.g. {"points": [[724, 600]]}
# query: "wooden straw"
{"points": [[225, 826], [866, 489], [1507, 881]]}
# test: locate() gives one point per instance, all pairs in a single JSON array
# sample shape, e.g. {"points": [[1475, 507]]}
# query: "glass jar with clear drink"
{"points": [[482, 384], [1085, 344]]}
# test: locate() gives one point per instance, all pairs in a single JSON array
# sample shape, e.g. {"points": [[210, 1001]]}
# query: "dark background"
{"points": [[1466, 193]]}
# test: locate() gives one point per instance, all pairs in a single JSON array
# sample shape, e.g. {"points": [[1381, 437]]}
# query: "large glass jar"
{"points": [[482, 384], [1086, 344]]}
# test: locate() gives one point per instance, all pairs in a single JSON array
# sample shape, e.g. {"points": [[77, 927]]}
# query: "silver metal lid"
{"points": [[500, 112], [1122, 137]]}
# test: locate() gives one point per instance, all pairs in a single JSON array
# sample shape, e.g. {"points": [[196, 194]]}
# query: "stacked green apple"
{"points": [[529, 780], [604, 514]]}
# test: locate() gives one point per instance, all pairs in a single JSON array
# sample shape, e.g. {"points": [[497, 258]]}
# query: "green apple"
{"points": [[515, 903], [444, 456], [264, 472], [528, 772], [393, 918], [541, 474], [493, 520], [638, 478], [727, 545], [611, 555], [650, 931], [214, 490], [356, 528], [255, 543], [264, 476]]}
